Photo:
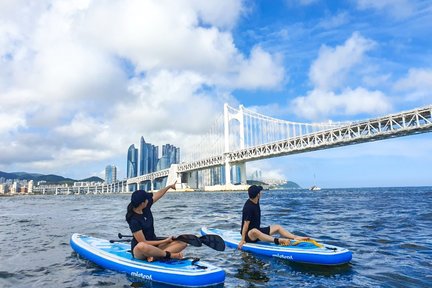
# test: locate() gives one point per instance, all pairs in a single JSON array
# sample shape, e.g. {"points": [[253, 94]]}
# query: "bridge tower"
{"points": [[228, 117]]}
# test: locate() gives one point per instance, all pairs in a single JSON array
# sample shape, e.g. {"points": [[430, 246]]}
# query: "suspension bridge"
{"points": [[241, 135]]}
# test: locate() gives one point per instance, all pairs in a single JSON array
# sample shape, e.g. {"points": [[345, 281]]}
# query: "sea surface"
{"points": [[389, 231]]}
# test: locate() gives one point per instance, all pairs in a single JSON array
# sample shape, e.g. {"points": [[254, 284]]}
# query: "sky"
{"points": [[82, 80]]}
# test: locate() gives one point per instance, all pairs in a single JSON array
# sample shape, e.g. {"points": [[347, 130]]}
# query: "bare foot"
{"points": [[150, 259], [178, 255], [301, 238], [284, 242]]}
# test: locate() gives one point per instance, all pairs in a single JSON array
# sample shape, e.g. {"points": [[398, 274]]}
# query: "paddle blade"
{"points": [[190, 239], [213, 241], [312, 241]]}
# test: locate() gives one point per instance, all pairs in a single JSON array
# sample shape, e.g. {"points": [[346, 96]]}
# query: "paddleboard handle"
{"points": [[120, 236]]}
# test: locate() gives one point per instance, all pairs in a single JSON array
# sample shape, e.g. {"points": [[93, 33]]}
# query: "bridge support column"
{"points": [[226, 144], [191, 179], [227, 173], [243, 178]]}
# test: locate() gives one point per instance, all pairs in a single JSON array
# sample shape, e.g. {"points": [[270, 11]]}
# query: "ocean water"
{"points": [[389, 231]]}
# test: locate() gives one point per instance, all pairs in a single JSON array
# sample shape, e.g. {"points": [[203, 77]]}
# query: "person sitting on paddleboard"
{"points": [[251, 220], [145, 244]]}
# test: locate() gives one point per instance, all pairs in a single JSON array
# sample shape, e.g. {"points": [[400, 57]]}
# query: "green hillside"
{"points": [[51, 179]]}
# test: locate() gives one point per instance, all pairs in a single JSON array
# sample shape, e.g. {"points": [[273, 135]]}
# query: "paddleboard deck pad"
{"points": [[303, 252], [116, 256]]}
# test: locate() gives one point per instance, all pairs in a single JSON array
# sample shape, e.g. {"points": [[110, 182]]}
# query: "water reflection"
{"points": [[252, 269]]}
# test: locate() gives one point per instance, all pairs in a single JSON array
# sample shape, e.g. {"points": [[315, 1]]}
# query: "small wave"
{"points": [[425, 216], [399, 280], [384, 241], [413, 246], [24, 221], [6, 274]]}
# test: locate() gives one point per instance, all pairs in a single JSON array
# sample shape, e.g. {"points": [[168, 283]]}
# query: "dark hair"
{"points": [[254, 190], [137, 197], [129, 212]]}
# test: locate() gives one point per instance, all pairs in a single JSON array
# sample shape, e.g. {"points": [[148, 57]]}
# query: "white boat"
{"points": [[314, 188]]}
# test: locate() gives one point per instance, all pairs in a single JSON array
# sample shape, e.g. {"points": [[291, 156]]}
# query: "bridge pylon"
{"points": [[239, 116]]}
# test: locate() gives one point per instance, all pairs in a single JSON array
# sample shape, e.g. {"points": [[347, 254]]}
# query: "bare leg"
{"points": [[284, 233], [255, 234], [173, 247], [145, 251]]}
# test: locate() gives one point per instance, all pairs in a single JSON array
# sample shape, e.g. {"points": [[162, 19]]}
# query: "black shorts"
{"points": [[265, 230]]}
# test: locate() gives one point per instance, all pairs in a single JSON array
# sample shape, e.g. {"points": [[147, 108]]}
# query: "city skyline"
{"points": [[74, 96], [146, 159]]}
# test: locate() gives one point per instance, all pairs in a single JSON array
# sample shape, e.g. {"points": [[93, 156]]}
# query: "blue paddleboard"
{"points": [[302, 252], [116, 256]]}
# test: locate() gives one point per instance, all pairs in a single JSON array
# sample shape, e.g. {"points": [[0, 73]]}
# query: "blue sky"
{"points": [[82, 80]]}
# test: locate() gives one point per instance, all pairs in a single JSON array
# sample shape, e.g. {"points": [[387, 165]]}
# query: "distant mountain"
{"points": [[8, 175], [255, 182], [92, 179], [287, 185], [25, 173], [54, 179]]}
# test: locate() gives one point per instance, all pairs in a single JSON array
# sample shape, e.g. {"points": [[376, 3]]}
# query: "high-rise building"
{"points": [[110, 174], [132, 162], [256, 175], [170, 155], [148, 157], [148, 161]]}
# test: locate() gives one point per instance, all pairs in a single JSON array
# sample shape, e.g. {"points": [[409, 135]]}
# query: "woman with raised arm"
{"points": [[145, 244]]}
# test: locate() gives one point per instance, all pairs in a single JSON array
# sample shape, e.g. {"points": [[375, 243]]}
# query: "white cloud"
{"points": [[319, 104], [96, 75], [332, 93], [307, 2], [84, 131], [417, 84], [165, 34], [332, 65], [374, 79], [152, 36], [160, 105], [271, 72], [397, 8], [10, 121], [334, 21], [222, 13]]}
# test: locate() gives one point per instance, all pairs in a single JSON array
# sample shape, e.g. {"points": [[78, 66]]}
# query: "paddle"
{"points": [[213, 241], [125, 240], [308, 241], [314, 242]]}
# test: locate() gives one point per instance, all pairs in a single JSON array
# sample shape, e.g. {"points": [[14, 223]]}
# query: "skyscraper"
{"points": [[110, 174], [170, 155], [132, 162], [148, 157]]}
